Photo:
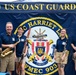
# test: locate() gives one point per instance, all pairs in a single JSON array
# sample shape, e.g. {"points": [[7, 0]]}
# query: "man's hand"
{"points": [[63, 57], [74, 48], [24, 54], [55, 57], [11, 46]]}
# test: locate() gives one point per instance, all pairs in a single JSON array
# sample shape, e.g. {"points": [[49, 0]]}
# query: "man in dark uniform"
{"points": [[8, 40], [20, 49], [60, 52], [73, 44]]}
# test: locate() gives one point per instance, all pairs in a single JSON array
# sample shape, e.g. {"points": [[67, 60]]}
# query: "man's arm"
{"points": [[73, 47], [25, 50], [8, 45]]}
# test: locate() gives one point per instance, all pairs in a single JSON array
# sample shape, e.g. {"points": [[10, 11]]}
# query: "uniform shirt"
{"points": [[7, 39], [20, 45], [60, 44]]}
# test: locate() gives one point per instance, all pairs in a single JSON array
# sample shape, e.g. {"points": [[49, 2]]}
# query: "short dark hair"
{"points": [[21, 27]]}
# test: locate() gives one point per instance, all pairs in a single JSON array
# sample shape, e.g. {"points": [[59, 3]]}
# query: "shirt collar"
{"points": [[8, 34]]}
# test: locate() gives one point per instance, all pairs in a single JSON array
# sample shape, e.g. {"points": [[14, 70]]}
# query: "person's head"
{"points": [[20, 30], [9, 27], [63, 32]]}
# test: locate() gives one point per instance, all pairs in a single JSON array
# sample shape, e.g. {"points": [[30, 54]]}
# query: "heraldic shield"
{"points": [[40, 51], [40, 47]]}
